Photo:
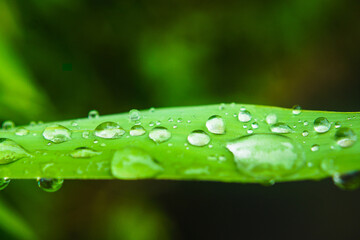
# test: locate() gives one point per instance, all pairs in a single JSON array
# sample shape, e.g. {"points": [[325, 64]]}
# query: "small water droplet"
{"points": [[347, 181], [137, 130], [159, 134], [8, 125], [280, 128], [134, 163], [315, 148], [198, 138], [170, 119], [322, 125], [10, 151], [306, 123], [57, 133], [109, 130], [305, 133], [151, 124], [244, 116], [271, 118], [255, 125], [134, 115], [222, 106], [266, 156], [179, 120], [337, 125], [86, 134], [216, 124], [4, 182], [345, 137], [84, 152], [22, 131], [296, 110], [152, 110], [250, 131], [93, 114], [50, 184]]}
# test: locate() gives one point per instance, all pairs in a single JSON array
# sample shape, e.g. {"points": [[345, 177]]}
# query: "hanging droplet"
{"points": [[198, 138], [4, 182], [347, 181], [84, 152], [305, 133], [109, 130], [345, 137], [315, 148], [280, 128], [134, 115], [267, 156], [137, 130], [57, 133], [8, 125], [22, 131], [134, 163], [10, 151], [296, 110], [271, 118], [93, 114], [216, 124], [50, 184], [322, 125], [244, 116], [159, 134]]}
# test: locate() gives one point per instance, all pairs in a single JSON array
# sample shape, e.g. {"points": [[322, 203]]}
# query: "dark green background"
{"points": [[61, 58]]}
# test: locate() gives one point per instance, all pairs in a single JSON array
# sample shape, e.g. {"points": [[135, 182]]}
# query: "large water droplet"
{"points": [[244, 116], [50, 184], [10, 151], [159, 134], [345, 137], [134, 115], [109, 130], [266, 156], [84, 152], [280, 128], [8, 125], [271, 118], [296, 110], [322, 125], [21, 131], [198, 138], [134, 163], [4, 182], [93, 114], [137, 130], [57, 134], [216, 124], [347, 181]]}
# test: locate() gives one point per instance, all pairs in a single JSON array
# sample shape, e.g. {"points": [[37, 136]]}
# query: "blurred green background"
{"points": [[61, 58]]}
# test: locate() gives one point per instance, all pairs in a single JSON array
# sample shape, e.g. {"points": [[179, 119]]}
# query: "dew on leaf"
{"points": [[109, 130], [198, 138], [216, 124], [57, 133]]}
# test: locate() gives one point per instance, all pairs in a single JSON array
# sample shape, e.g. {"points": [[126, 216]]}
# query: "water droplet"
{"points": [[50, 184], [305, 133], [57, 133], [345, 137], [216, 124], [280, 128], [266, 156], [152, 110], [347, 181], [86, 134], [271, 118], [296, 110], [134, 163], [222, 106], [109, 130], [337, 124], [306, 123], [198, 138], [250, 131], [134, 115], [4, 182], [315, 148], [151, 124], [322, 125], [137, 130], [8, 125], [84, 152], [255, 125], [244, 116], [170, 119], [10, 151], [21, 131], [93, 114], [179, 120], [159, 134]]}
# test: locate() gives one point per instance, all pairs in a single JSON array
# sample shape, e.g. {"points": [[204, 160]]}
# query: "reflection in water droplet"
{"points": [[347, 181], [50, 184], [244, 116], [84, 152], [134, 163], [198, 138], [296, 110], [57, 133], [93, 114], [216, 124], [109, 130], [280, 128], [266, 156], [4, 182], [271, 118], [345, 137], [10, 151], [137, 130], [134, 115], [8, 125], [159, 134], [322, 125], [22, 131]]}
